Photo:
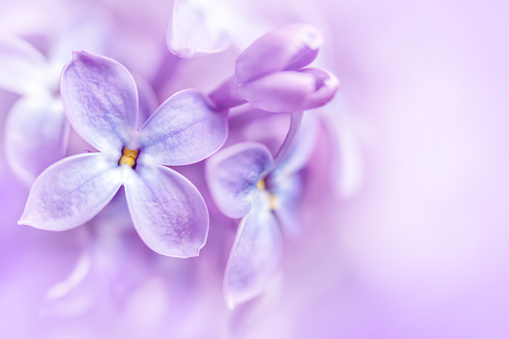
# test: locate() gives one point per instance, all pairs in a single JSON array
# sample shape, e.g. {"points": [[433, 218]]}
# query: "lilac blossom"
{"points": [[101, 103], [270, 74], [247, 182], [37, 129]]}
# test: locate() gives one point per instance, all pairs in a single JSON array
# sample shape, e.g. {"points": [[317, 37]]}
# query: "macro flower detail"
{"points": [[37, 129], [246, 182], [271, 73], [101, 102]]}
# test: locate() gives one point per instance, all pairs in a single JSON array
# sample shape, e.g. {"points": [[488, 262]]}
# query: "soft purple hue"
{"points": [[101, 101], [37, 130], [269, 74], [245, 182]]}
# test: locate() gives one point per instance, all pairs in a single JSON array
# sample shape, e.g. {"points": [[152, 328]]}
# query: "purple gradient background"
{"points": [[420, 251]]}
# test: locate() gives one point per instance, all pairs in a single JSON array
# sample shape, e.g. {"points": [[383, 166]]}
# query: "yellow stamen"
{"points": [[261, 185], [129, 157], [273, 202]]}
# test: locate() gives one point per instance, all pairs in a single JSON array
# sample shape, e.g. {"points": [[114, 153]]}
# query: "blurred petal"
{"points": [[35, 136], [288, 48], [168, 212], [347, 167], [23, 66], [185, 129], [303, 146], [254, 258], [233, 173], [293, 131], [100, 99], [72, 191], [194, 31], [86, 33], [288, 193]]}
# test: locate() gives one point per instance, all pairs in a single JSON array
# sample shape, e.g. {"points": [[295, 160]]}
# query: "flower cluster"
{"points": [[235, 152]]}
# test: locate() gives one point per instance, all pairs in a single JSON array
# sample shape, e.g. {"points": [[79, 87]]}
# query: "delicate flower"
{"points": [[270, 73], [37, 130], [200, 27], [101, 103], [246, 182]]}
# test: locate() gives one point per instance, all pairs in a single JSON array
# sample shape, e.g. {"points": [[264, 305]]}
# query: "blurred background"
{"points": [[412, 243]]}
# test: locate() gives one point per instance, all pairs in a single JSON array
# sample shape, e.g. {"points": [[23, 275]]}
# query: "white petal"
{"points": [[168, 211], [255, 256], [23, 67], [35, 136], [72, 191]]}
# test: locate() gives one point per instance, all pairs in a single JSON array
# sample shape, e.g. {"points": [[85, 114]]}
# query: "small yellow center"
{"points": [[129, 157], [273, 202]]}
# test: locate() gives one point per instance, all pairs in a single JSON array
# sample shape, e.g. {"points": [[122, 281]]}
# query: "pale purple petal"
{"points": [[290, 91], [288, 48], [326, 85], [287, 193], [72, 191], [254, 258], [193, 31], [293, 131], [101, 100], [233, 173], [303, 146], [168, 211], [36, 136], [23, 67], [281, 92], [185, 129], [88, 32]]}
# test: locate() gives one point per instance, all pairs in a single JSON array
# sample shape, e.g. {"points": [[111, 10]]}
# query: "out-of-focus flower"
{"points": [[37, 130], [246, 182], [270, 73], [101, 103]]}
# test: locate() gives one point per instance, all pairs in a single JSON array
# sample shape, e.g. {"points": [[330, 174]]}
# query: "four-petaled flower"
{"points": [[246, 182], [101, 102]]}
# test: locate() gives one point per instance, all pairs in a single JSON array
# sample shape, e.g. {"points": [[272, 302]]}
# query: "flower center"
{"points": [[273, 201], [128, 157]]}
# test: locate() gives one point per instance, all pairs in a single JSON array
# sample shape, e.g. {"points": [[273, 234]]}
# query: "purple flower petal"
{"points": [[185, 129], [254, 258], [168, 211], [35, 136], [287, 192], [290, 91], [23, 66], [288, 48], [226, 95], [72, 191], [233, 173], [326, 85], [193, 32], [293, 131], [305, 142], [101, 100]]}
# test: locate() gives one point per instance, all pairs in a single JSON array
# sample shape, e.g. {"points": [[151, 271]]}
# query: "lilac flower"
{"points": [[101, 103], [199, 28], [246, 182], [270, 73], [37, 130]]}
